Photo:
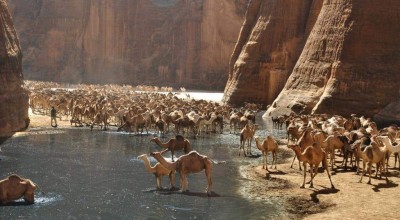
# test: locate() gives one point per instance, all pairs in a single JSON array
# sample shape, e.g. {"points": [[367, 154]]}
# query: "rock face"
{"points": [[342, 56], [168, 42], [13, 98], [268, 47], [350, 63]]}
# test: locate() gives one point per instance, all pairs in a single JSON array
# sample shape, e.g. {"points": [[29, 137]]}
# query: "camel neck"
{"points": [[258, 144], [165, 163], [159, 143], [147, 165], [298, 154]]}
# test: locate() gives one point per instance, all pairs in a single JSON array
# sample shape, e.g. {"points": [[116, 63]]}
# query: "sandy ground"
{"points": [[350, 200]]}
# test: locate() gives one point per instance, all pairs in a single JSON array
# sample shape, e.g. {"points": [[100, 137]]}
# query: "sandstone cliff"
{"points": [[174, 42], [13, 98], [350, 62], [268, 47], [342, 56]]}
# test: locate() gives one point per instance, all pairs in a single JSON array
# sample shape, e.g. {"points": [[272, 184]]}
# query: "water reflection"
{"points": [[88, 175]]}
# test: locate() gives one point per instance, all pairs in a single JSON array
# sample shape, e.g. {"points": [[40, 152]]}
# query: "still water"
{"points": [[95, 175]]}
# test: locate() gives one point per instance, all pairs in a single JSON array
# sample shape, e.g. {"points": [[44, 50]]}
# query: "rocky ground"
{"points": [[350, 199]]}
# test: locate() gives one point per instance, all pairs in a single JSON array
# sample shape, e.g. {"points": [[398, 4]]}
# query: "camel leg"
{"points": [[305, 172], [329, 175], [273, 159], [209, 181], [294, 158], [172, 153], [186, 183], [363, 171], [158, 178], [172, 179], [369, 172], [312, 175], [332, 153], [266, 160]]}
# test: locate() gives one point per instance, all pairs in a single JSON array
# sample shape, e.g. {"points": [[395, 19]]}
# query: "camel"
{"points": [[268, 145], [392, 148], [293, 132], [177, 143], [234, 121], [246, 135], [159, 171], [192, 162], [15, 187], [312, 155], [160, 124], [306, 139], [372, 154], [333, 142], [203, 124], [386, 141]]}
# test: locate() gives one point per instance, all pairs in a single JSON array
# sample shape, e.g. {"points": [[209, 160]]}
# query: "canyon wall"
{"points": [[270, 42], [13, 98], [350, 63], [319, 56], [158, 42]]}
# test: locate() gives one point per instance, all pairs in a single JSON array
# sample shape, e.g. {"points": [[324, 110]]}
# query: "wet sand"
{"points": [[350, 200]]}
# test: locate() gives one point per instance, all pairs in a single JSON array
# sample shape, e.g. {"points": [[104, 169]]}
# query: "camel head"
{"points": [[141, 157], [293, 146], [156, 155], [154, 139]]}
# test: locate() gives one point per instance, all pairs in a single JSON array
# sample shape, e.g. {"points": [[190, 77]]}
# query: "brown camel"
{"points": [[192, 162], [335, 142], [15, 187], [312, 155], [159, 171], [372, 154], [177, 143], [246, 135], [268, 145], [306, 139]]}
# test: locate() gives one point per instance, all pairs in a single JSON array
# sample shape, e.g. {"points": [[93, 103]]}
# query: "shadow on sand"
{"points": [[315, 193], [379, 186]]}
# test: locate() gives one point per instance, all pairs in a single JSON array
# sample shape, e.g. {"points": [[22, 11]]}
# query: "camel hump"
{"points": [[369, 151], [179, 137], [14, 177]]}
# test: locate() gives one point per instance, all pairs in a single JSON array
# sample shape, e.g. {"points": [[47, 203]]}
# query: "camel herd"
{"points": [[132, 111], [313, 138]]}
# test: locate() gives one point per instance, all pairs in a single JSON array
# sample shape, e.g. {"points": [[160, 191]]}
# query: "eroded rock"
{"points": [[350, 62], [13, 98]]}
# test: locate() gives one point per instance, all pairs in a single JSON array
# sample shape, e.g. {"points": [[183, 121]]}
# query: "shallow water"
{"points": [[95, 175]]}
